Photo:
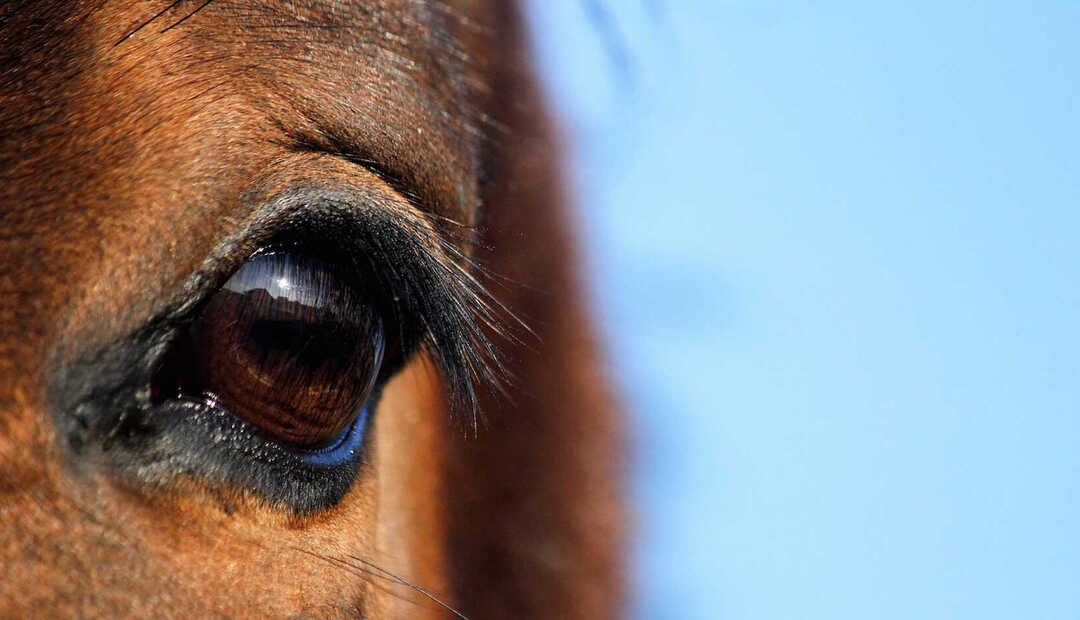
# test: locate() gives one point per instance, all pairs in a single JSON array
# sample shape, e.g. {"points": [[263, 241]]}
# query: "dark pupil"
{"points": [[287, 346]]}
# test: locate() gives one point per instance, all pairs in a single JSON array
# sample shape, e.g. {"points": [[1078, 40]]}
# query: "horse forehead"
{"points": [[395, 81]]}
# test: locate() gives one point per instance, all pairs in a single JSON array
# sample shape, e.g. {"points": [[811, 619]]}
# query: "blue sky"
{"points": [[833, 246]]}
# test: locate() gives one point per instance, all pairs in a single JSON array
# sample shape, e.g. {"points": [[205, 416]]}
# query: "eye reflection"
{"points": [[288, 346], [297, 279]]}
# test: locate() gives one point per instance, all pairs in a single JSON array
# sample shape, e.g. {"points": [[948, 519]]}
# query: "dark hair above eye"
{"points": [[265, 373]]}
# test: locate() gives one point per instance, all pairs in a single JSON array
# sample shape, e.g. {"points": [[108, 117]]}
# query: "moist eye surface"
{"points": [[288, 346]]}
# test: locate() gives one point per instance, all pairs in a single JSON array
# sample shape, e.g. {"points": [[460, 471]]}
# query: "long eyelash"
{"points": [[438, 290]]}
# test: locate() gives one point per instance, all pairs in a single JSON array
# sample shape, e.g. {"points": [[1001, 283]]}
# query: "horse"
{"points": [[292, 320]]}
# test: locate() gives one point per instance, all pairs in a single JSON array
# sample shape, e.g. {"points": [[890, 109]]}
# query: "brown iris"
{"points": [[286, 345]]}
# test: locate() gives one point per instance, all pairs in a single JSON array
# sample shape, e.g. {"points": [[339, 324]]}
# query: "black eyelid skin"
{"points": [[108, 417]]}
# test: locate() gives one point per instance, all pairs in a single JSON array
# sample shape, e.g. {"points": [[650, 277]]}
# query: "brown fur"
{"points": [[130, 148]]}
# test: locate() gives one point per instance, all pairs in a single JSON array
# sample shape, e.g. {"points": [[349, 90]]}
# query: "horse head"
{"points": [[290, 318]]}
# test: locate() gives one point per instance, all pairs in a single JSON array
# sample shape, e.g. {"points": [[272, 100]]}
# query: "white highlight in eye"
{"points": [[305, 280]]}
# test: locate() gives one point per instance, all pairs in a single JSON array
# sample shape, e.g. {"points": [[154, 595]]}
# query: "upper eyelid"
{"points": [[292, 207], [404, 181]]}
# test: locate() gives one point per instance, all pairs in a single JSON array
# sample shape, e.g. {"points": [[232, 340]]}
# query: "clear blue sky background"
{"points": [[834, 246]]}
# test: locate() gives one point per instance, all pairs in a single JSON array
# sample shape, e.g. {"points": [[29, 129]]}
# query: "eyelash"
{"points": [[426, 291]]}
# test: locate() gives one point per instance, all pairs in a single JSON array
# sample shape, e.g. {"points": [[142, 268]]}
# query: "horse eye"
{"points": [[288, 346]]}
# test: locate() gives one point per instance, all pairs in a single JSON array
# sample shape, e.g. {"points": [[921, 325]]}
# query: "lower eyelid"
{"points": [[347, 447]]}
